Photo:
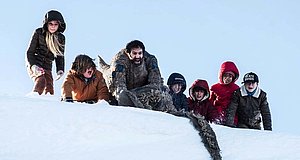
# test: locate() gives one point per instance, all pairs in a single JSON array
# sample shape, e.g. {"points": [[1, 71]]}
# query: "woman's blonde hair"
{"points": [[53, 44]]}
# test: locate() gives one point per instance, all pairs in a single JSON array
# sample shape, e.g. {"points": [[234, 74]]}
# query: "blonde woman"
{"points": [[47, 45]]}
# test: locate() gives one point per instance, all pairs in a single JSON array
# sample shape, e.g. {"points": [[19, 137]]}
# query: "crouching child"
{"points": [[84, 83]]}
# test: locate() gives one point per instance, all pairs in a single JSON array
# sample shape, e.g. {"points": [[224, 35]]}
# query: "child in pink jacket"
{"points": [[221, 93]]}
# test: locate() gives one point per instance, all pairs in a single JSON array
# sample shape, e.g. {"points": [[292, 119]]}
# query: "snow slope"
{"points": [[42, 127]]}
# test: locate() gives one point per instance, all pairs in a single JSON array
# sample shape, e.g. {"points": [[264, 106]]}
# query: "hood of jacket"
{"points": [[228, 66], [202, 84], [245, 93], [54, 16]]}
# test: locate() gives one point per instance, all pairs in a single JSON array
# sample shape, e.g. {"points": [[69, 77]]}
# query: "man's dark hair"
{"points": [[135, 44], [82, 63]]}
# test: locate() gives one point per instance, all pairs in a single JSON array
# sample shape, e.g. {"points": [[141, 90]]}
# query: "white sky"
{"points": [[191, 37]]}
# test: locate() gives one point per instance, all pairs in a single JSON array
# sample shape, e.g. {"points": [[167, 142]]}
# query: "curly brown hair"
{"points": [[82, 63]]}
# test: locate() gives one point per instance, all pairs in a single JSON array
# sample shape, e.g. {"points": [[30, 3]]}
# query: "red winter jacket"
{"points": [[221, 93], [203, 107]]}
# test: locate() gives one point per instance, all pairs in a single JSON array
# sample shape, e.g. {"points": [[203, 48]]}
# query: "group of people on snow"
{"points": [[133, 78], [225, 102]]}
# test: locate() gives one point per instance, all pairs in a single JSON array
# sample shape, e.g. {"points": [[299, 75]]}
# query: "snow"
{"points": [[42, 127]]}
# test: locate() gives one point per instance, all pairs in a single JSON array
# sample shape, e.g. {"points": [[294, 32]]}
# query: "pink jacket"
{"points": [[221, 93]]}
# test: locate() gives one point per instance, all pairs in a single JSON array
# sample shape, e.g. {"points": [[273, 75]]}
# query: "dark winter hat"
{"points": [[250, 77], [135, 44], [177, 78], [54, 16]]}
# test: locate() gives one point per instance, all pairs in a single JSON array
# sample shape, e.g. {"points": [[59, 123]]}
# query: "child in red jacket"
{"points": [[199, 101], [221, 93]]}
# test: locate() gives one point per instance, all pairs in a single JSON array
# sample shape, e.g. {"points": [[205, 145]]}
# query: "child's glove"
{"points": [[37, 71], [67, 99], [90, 102], [59, 73]]}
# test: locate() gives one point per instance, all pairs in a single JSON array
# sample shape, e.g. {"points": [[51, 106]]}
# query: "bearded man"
{"points": [[136, 78]]}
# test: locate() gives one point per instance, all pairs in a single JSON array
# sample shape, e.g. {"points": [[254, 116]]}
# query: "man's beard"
{"points": [[137, 61]]}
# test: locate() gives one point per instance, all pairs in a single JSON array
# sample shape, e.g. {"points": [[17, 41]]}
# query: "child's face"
{"points": [[250, 86], [88, 73], [176, 88], [53, 26], [199, 94], [227, 78]]}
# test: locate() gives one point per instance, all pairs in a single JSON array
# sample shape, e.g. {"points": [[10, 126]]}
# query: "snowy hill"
{"points": [[45, 128]]}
